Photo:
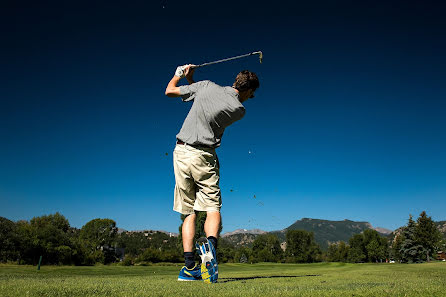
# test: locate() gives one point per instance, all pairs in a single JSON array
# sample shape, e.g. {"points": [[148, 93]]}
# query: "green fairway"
{"points": [[265, 279]]}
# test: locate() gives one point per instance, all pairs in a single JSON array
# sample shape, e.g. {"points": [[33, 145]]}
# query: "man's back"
{"points": [[214, 108]]}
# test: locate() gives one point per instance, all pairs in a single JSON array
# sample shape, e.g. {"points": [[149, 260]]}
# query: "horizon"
{"points": [[229, 231], [348, 121]]}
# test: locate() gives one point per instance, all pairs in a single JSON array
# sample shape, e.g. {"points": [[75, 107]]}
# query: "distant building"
{"points": [[441, 255]]}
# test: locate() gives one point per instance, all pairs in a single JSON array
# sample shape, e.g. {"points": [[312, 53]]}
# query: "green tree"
{"points": [[375, 246], [9, 241], [243, 255], [266, 248], [301, 247], [332, 253], [427, 235], [47, 236], [99, 237], [150, 255], [357, 252], [27, 241], [225, 251], [343, 249], [80, 252], [396, 247], [133, 242], [337, 252], [411, 251]]}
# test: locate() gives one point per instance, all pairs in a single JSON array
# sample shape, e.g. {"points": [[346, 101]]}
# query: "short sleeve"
{"points": [[188, 92]]}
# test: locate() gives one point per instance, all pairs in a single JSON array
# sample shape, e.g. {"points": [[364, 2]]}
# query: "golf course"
{"points": [[263, 279]]}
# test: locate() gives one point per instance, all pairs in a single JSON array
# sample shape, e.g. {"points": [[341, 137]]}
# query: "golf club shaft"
{"points": [[229, 59]]}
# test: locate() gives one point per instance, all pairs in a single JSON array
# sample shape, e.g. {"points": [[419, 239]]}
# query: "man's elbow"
{"points": [[172, 92], [169, 93]]}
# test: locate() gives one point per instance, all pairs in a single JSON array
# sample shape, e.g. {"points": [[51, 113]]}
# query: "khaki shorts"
{"points": [[197, 177]]}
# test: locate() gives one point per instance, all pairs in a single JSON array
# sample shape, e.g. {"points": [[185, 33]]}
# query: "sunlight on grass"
{"points": [[264, 279]]}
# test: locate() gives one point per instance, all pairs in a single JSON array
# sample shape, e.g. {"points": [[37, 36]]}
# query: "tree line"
{"points": [[99, 241]]}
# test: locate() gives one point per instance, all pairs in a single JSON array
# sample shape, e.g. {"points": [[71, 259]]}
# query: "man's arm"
{"points": [[172, 90]]}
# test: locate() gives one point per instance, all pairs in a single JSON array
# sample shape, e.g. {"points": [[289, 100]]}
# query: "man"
{"points": [[196, 164]]}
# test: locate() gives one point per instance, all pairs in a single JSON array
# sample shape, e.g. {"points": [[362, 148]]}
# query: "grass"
{"points": [[265, 279]]}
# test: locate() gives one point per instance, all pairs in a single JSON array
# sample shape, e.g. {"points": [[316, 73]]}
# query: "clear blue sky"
{"points": [[349, 121]]}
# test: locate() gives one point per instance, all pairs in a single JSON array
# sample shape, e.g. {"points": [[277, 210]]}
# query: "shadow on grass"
{"points": [[236, 279]]}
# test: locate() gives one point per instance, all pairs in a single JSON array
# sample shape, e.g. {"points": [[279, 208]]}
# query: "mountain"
{"points": [[325, 231], [242, 237], [441, 225], [244, 231], [383, 230], [147, 231]]}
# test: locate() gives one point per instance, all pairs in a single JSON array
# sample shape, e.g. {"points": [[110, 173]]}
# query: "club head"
{"points": [[260, 55]]}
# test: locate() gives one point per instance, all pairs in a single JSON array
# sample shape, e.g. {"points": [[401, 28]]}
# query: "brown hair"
{"points": [[246, 80]]}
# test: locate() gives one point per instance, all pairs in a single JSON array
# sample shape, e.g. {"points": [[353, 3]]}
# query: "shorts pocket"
{"points": [[209, 159]]}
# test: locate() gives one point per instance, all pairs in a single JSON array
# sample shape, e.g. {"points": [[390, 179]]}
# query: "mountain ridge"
{"points": [[325, 231]]}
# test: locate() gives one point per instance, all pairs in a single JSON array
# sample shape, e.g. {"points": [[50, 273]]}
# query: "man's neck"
{"points": [[238, 93]]}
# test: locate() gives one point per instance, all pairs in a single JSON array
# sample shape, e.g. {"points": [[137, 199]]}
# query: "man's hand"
{"points": [[186, 71], [190, 73]]}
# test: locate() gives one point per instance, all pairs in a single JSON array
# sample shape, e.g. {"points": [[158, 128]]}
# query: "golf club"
{"points": [[233, 58]]}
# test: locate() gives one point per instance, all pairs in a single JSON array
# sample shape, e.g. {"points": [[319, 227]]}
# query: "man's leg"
{"points": [[191, 272], [211, 226], [188, 232], [208, 250]]}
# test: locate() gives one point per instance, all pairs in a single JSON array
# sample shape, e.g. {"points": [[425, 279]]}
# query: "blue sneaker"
{"points": [[193, 274], [209, 266]]}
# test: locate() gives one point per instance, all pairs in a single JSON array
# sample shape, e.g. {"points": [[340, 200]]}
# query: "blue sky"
{"points": [[348, 122]]}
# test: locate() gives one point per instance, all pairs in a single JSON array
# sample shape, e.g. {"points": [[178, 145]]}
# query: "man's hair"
{"points": [[246, 80]]}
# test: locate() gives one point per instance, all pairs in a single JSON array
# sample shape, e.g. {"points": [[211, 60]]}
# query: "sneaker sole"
{"points": [[205, 274], [188, 280]]}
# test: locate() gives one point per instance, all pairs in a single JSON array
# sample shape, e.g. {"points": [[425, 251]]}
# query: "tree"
{"points": [[266, 248], [396, 247], [357, 252], [9, 241], [332, 253], [99, 237], [427, 235], [338, 252], [225, 251], [411, 251], [45, 236], [134, 243], [243, 255], [343, 249], [301, 247], [375, 246]]}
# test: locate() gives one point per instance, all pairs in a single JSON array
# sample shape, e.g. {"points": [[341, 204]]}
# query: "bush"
{"points": [[128, 261]]}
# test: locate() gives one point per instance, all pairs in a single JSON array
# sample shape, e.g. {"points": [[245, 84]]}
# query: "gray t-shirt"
{"points": [[214, 108]]}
